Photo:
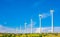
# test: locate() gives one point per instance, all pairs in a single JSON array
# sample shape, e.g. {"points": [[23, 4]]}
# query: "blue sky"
{"points": [[16, 12]]}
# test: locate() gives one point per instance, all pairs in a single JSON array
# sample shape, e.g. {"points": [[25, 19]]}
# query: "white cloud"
{"points": [[48, 29], [4, 29]]}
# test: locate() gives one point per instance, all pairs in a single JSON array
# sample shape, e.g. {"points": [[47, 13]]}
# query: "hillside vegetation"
{"points": [[30, 35]]}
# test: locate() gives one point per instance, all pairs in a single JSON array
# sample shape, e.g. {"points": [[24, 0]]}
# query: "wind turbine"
{"points": [[52, 11], [25, 27], [40, 19], [16, 30], [20, 29], [31, 25]]}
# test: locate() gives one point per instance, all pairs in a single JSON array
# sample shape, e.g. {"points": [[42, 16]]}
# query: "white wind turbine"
{"points": [[31, 25], [40, 19], [20, 29], [25, 27], [16, 30], [52, 11]]}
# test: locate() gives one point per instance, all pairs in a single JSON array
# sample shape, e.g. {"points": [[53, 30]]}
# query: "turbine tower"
{"points": [[52, 11], [20, 29], [31, 25], [40, 17], [25, 27], [16, 30]]}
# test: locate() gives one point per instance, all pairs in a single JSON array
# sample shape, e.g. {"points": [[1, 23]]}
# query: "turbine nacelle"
{"points": [[25, 23], [40, 15], [51, 11]]}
